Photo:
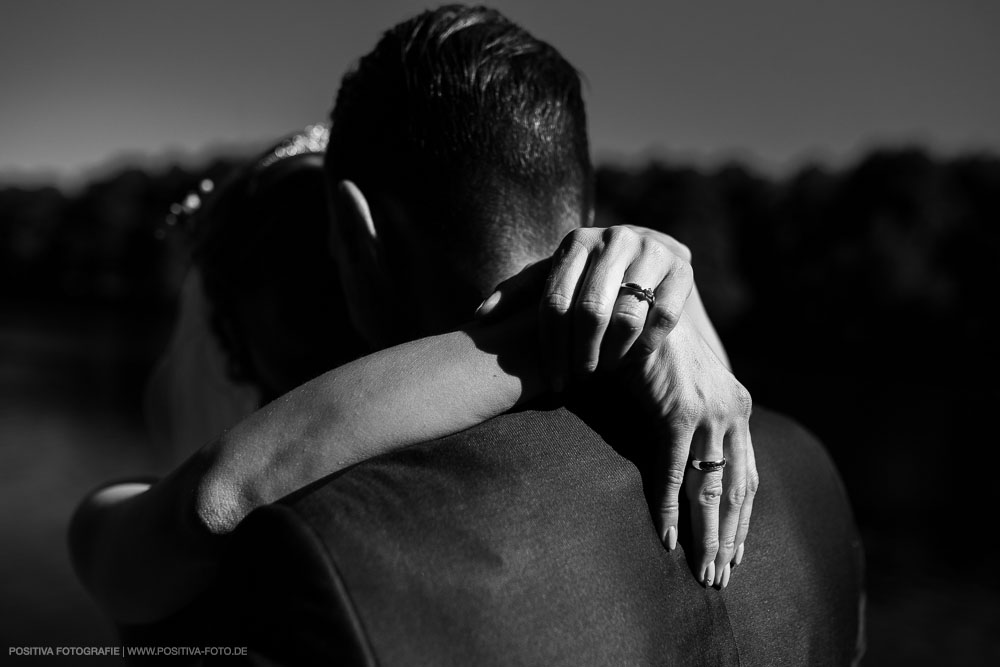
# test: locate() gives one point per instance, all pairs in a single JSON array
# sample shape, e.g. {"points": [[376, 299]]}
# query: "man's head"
{"points": [[466, 140]]}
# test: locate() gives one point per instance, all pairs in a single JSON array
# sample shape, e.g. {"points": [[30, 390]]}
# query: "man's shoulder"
{"points": [[492, 454], [771, 424], [804, 562], [555, 424], [502, 544], [793, 457]]}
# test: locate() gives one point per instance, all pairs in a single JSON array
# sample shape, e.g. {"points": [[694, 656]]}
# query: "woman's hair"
{"points": [[260, 241]]}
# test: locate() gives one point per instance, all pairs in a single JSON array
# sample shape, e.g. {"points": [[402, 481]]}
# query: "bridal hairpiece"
{"points": [[312, 139]]}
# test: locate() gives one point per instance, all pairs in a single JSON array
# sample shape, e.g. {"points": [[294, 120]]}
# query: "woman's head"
{"points": [[261, 244]]}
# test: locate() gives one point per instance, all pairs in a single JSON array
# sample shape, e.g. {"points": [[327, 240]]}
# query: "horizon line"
{"points": [[710, 160]]}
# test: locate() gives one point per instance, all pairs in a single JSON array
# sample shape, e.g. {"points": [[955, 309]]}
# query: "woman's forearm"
{"points": [[146, 551], [410, 393]]}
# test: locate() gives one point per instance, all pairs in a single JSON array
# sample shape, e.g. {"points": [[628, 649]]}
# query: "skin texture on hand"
{"points": [[667, 350], [704, 414]]}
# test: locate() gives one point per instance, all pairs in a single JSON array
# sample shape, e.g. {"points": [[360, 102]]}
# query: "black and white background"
{"points": [[834, 167]]}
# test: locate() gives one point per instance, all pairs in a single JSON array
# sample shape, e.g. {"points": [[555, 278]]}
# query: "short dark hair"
{"points": [[472, 124]]}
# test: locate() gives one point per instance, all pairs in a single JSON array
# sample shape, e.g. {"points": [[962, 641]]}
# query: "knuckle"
{"points": [[674, 477], [744, 402], [719, 410], [557, 302], [711, 546], [753, 482], [729, 545], [653, 249], [664, 318], [592, 308], [617, 234], [627, 319], [689, 399], [686, 415], [710, 494], [737, 494], [683, 269], [576, 241]]}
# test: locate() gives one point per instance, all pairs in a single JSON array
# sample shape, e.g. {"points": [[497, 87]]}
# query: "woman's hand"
{"points": [[589, 321], [704, 415]]}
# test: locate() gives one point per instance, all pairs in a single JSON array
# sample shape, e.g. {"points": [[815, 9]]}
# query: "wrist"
{"points": [[512, 346]]}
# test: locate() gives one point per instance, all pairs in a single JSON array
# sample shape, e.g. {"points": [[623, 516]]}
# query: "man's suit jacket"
{"points": [[528, 541]]}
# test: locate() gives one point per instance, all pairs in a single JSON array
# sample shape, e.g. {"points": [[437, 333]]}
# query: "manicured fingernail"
{"points": [[671, 539], [709, 575], [726, 571], [739, 555], [488, 304]]}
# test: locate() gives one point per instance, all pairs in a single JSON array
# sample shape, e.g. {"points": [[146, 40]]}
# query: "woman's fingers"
{"points": [[516, 292], [704, 490], [598, 295], [671, 295], [671, 462], [753, 481], [586, 319], [554, 318], [632, 307], [734, 485]]}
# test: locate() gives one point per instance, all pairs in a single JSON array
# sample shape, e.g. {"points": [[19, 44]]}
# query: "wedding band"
{"points": [[642, 292], [708, 466]]}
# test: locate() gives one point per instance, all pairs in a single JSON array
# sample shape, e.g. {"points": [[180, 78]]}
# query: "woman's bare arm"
{"points": [[144, 551]]}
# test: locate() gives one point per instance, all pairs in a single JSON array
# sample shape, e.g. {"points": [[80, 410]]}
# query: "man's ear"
{"points": [[353, 216], [360, 258]]}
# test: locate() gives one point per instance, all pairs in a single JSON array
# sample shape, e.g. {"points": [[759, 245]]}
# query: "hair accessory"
{"points": [[312, 139]]}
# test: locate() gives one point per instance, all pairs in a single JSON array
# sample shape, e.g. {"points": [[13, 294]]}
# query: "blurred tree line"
{"points": [[860, 300], [898, 244], [895, 252], [106, 246]]}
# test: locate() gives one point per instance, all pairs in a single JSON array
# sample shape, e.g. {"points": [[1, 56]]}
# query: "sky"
{"points": [[776, 83]]}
